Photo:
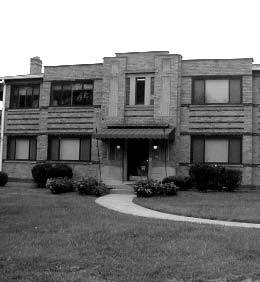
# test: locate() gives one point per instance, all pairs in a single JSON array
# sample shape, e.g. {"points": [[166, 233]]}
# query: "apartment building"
{"points": [[135, 115]]}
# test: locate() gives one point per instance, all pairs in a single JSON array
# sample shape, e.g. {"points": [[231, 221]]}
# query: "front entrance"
{"points": [[137, 158]]}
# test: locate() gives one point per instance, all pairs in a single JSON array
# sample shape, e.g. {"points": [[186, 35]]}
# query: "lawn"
{"points": [[231, 206], [69, 238]]}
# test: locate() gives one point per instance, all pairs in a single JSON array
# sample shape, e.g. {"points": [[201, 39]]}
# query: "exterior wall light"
{"points": [[118, 147], [155, 147]]}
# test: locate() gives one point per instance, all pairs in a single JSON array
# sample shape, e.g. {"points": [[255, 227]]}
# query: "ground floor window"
{"points": [[216, 149], [21, 148], [62, 148]]}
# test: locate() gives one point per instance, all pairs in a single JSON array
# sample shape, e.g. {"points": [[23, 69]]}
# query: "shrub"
{"points": [[60, 185], [39, 174], [59, 170], [151, 188], [90, 186], [184, 183], [86, 186], [101, 190], [206, 176], [230, 179], [3, 178]]}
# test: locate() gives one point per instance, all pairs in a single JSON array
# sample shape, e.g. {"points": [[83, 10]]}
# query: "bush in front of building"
{"points": [[3, 178], [42, 171], [39, 173], [231, 179], [149, 188], [59, 170], [214, 177], [183, 182], [90, 186], [60, 185]]}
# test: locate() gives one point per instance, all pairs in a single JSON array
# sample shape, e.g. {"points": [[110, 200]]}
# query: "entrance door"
{"points": [[137, 155]]}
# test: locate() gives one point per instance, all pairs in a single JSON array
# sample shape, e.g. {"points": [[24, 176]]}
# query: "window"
{"points": [[69, 148], [217, 91], [139, 90], [115, 150], [72, 93], [1, 92], [23, 96], [216, 149], [21, 148]]}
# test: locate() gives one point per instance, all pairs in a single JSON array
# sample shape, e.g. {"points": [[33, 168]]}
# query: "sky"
{"points": [[65, 32]]}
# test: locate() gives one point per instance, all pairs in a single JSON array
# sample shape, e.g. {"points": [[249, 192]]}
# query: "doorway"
{"points": [[137, 158]]}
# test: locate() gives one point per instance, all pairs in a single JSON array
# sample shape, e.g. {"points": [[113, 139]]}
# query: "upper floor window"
{"points": [[72, 93], [1, 92], [21, 148], [24, 96], [217, 91], [139, 90]]}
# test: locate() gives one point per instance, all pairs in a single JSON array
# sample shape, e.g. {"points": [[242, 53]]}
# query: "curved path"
{"points": [[124, 203]]}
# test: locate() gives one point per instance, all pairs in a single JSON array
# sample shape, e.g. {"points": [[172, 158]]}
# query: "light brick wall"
{"points": [[187, 119]]}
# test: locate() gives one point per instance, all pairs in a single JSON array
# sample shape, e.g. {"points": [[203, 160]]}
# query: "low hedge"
{"points": [[231, 179], [184, 183], [60, 185], [90, 186], [3, 178], [149, 188], [215, 177]]}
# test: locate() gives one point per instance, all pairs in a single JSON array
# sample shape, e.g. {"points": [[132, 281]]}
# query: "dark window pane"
{"points": [[235, 91], [152, 91], [29, 96], [198, 92], [54, 149], [127, 90], [33, 149], [1, 92], [235, 150], [87, 97], [11, 148], [66, 95], [77, 93], [139, 91], [85, 149], [56, 95], [14, 97], [197, 150], [22, 97], [36, 95]]}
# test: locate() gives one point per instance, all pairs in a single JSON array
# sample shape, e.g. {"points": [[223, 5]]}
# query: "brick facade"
{"points": [[172, 105]]}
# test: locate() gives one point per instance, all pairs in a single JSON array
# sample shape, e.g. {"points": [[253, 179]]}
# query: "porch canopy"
{"points": [[136, 132]]}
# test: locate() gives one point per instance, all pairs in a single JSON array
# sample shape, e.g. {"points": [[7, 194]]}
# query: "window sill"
{"points": [[146, 107], [21, 109], [66, 107], [73, 162], [215, 105], [20, 161]]}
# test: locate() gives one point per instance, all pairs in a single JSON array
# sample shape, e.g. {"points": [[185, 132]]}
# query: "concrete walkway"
{"points": [[122, 201]]}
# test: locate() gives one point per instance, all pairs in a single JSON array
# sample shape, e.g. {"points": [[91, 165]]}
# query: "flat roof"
{"points": [[26, 76]]}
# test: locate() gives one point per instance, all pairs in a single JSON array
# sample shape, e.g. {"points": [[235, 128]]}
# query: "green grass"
{"points": [[69, 238], [236, 206]]}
